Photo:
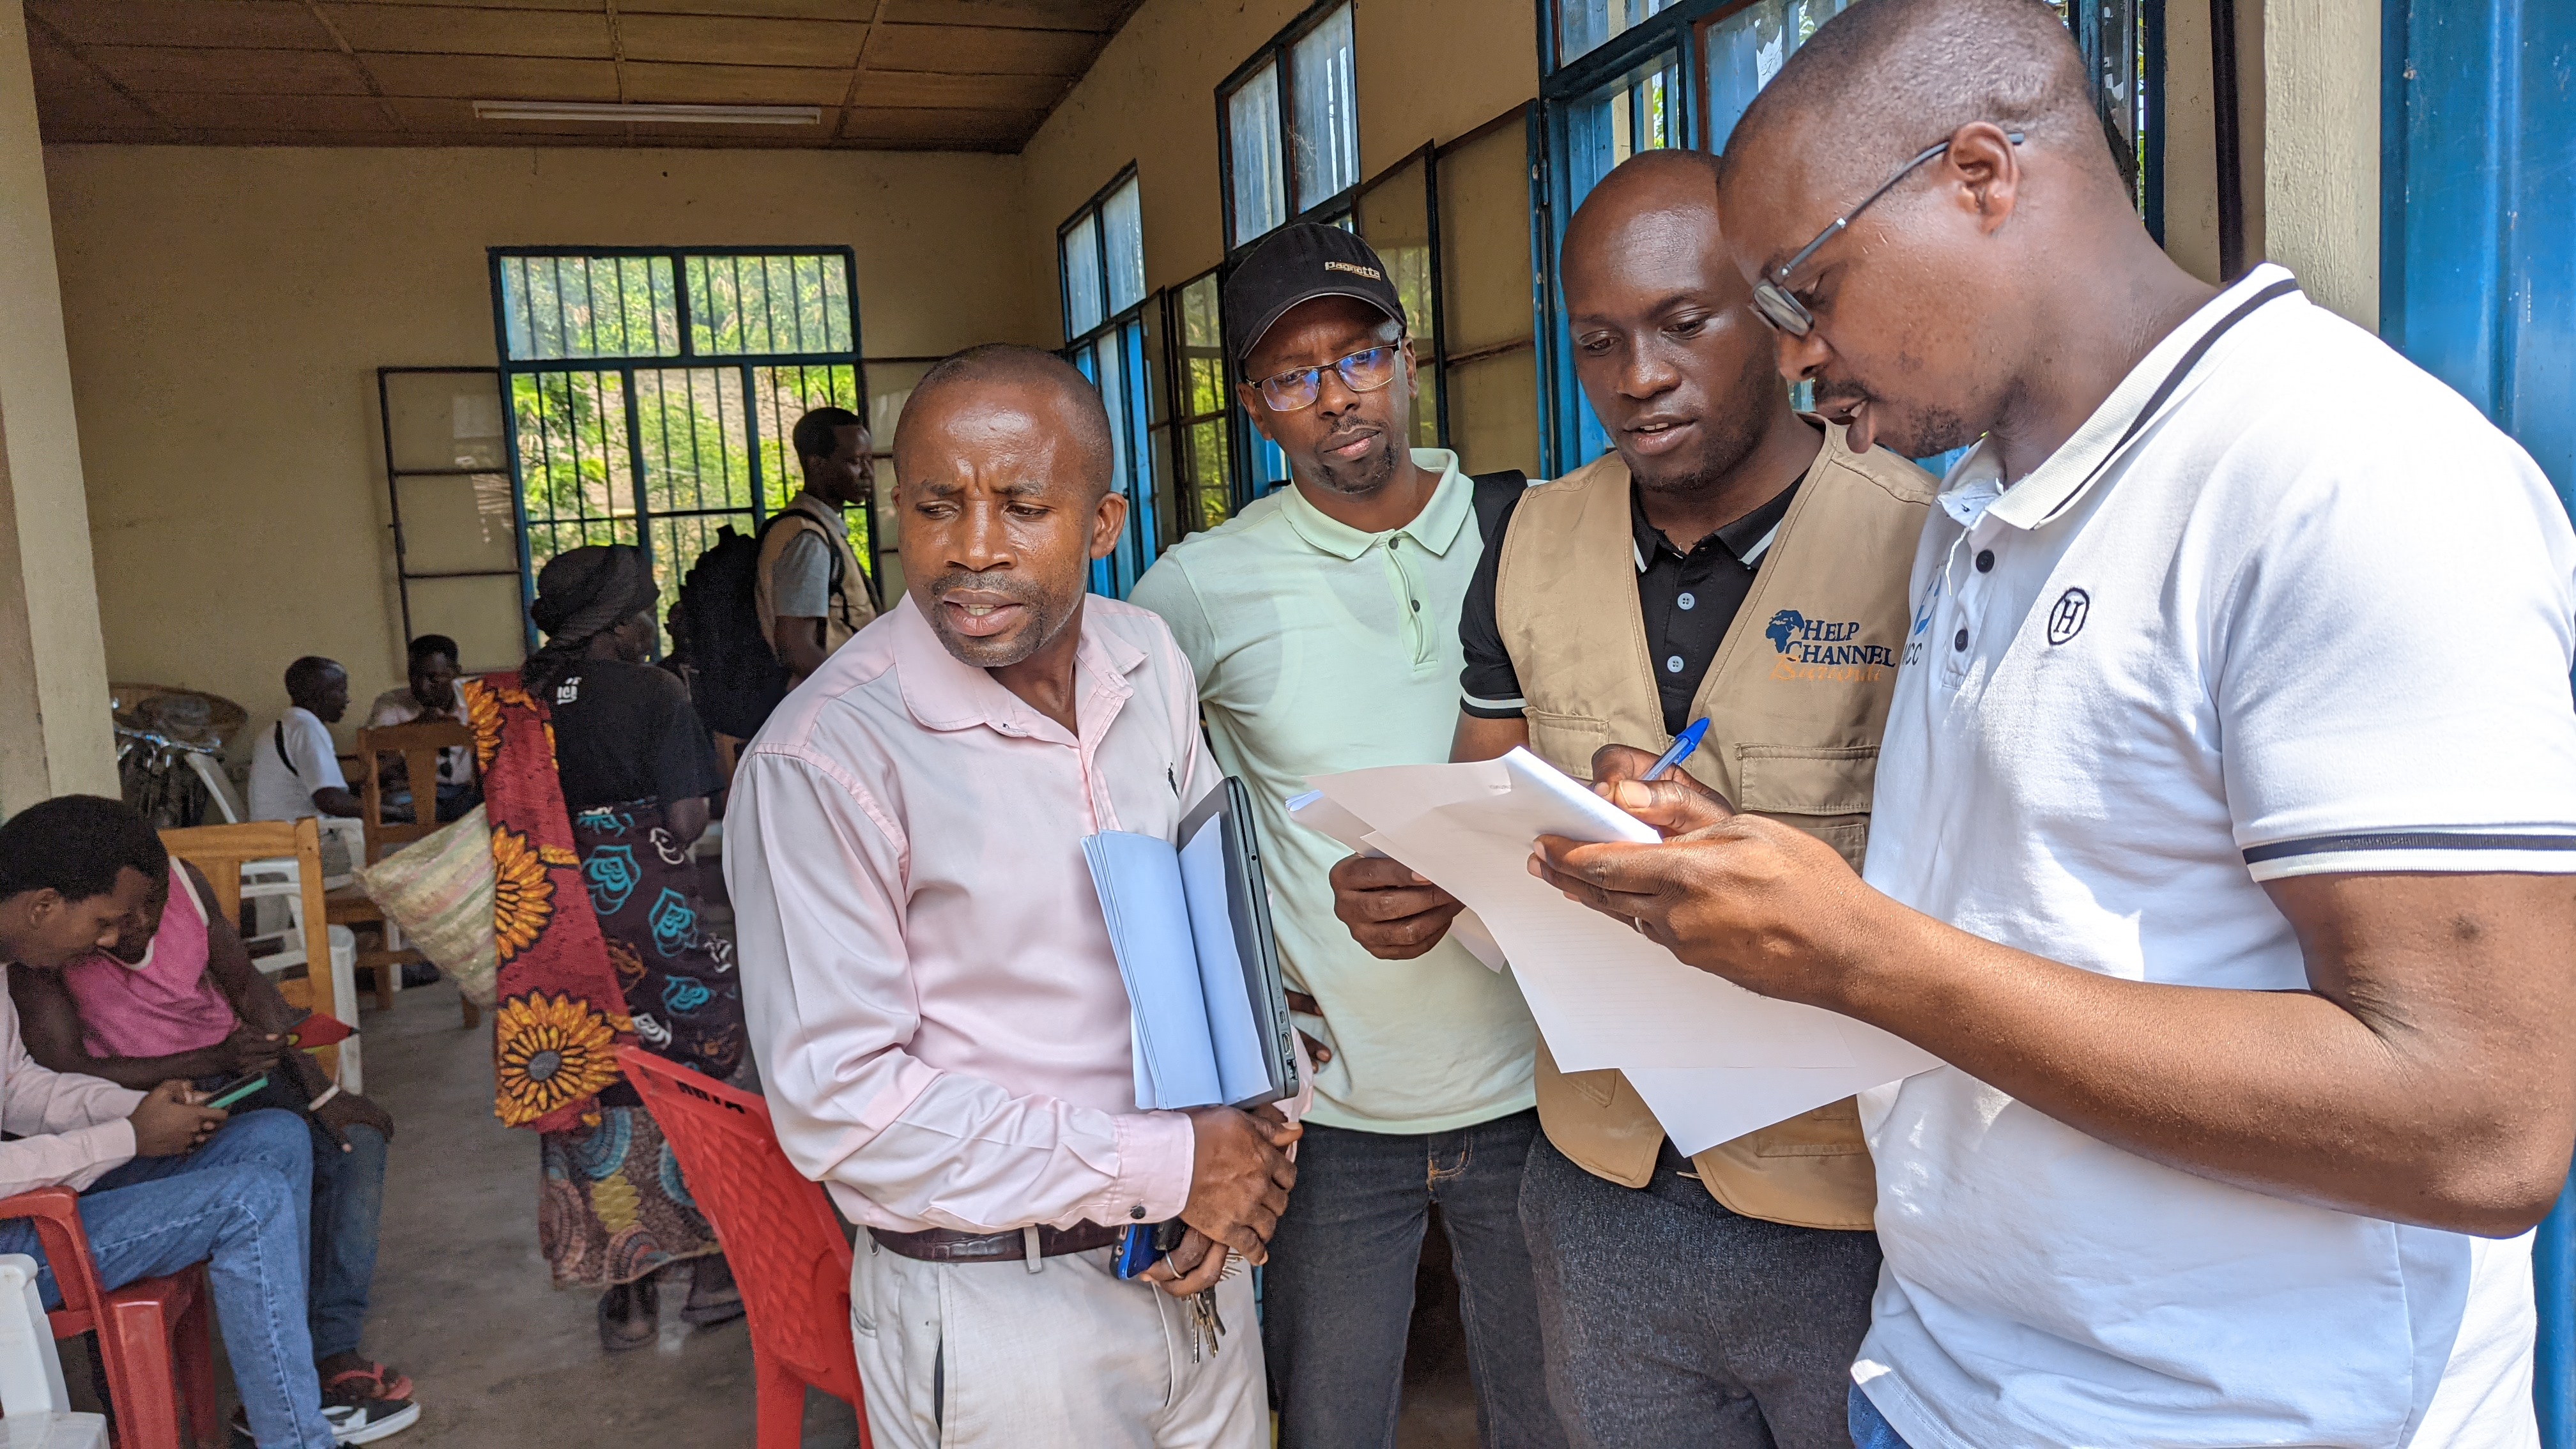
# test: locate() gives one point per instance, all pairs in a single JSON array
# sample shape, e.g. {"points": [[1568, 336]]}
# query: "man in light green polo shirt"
{"points": [[1323, 624]]}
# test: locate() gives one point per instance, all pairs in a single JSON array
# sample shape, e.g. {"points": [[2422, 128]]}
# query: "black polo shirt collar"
{"points": [[1745, 540]]}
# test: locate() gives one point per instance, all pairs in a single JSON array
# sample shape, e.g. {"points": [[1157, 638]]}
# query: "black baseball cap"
{"points": [[1298, 263]]}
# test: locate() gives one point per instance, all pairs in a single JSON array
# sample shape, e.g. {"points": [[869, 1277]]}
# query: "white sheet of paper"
{"points": [[1317, 812], [1721, 1061]]}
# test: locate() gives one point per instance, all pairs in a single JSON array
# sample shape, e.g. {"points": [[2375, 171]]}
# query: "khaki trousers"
{"points": [[993, 1356]]}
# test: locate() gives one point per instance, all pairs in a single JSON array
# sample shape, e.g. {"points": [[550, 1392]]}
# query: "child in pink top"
{"points": [[162, 1005]]}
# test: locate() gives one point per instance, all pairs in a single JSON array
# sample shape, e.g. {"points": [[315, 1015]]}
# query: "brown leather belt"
{"points": [[946, 1245]]}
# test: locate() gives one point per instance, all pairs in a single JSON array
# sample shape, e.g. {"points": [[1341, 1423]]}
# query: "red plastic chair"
{"points": [[778, 1233], [152, 1333]]}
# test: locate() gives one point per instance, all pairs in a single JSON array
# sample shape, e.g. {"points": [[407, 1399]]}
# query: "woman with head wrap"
{"points": [[637, 768]]}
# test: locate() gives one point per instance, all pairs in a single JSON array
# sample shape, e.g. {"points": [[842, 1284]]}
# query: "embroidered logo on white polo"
{"points": [[2066, 619]]}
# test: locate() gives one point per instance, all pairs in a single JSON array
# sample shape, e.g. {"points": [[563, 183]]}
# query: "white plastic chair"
{"points": [[35, 1408], [218, 787]]}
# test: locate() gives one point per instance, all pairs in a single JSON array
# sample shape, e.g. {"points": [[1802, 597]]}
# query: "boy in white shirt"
{"points": [[294, 767]]}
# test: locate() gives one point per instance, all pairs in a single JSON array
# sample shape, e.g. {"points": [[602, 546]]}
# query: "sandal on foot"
{"points": [[629, 1316], [714, 1296], [369, 1381]]}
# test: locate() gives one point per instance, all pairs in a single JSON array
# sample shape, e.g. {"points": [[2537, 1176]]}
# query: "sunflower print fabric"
{"points": [[562, 1012], [522, 897], [551, 1053]]}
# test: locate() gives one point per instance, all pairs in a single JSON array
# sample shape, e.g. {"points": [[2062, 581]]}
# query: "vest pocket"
{"points": [[1566, 740], [1805, 779]]}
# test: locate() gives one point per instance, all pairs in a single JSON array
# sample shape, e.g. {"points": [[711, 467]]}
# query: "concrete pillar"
{"points": [[2319, 125], [55, 736]]}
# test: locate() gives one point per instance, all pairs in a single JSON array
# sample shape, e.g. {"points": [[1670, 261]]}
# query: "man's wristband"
{"points": [[317, 1103]]}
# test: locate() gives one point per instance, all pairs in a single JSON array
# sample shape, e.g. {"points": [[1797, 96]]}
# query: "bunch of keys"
{"points": [[1207, 1326]]}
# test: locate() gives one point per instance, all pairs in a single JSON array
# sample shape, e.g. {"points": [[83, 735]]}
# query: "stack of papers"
{"points": [[1713, 1060]]}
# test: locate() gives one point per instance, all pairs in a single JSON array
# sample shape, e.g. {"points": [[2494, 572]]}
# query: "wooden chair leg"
{"points": [[473, 1016]]}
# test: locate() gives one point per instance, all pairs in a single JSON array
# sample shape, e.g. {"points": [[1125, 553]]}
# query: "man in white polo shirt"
{"points": [[1322, 622], [2225, 809]]}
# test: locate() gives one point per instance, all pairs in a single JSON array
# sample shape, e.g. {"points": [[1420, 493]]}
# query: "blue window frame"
{"points": [[1100, 252], [1622, 76]]}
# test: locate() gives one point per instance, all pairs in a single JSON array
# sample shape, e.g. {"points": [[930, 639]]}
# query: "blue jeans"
{"points": [[241, 1200], [1337, 1296], [348, 1198], [1673, 1323], [1868, 1429]]}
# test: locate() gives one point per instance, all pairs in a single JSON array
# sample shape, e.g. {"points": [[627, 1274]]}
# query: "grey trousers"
{"points": [[1669, 1321]]}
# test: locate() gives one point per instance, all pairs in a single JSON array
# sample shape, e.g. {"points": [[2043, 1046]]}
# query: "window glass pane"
{"points": [[576, 482], [1582, 25], [1252, 132], [1209, 463], [1203, 381], [784, 302], [1327, 119], [1081, 247], [1638, 112], [1747, 48], [556, 307], [1123, 227], [1111, 377]]}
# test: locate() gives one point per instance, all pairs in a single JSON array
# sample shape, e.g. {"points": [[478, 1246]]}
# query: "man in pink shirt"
{"points": [[929, 981]]}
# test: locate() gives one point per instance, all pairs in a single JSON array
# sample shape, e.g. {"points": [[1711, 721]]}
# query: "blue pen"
{"points": [[1683, 744]]}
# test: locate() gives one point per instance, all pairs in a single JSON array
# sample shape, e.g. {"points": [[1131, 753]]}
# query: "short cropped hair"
{"points": [[429, 645], [1011, 362], [77, 844], [815, 432], [306, 674]]}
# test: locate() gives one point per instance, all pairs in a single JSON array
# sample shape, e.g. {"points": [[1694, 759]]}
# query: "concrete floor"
{"points": [[463, 1304]]}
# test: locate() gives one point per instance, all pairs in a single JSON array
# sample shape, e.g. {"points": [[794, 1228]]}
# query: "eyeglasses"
{"points": [[1780, 307], [1361, 372]]}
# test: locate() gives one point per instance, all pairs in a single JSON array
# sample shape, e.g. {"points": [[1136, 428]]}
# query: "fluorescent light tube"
{"points": [[623, 112]]}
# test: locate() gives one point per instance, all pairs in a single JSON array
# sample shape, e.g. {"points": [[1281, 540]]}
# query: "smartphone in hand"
{"points": [[236, 1089]]}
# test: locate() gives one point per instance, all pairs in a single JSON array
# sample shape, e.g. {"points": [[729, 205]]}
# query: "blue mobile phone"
{"points": [[1142, 1245]]}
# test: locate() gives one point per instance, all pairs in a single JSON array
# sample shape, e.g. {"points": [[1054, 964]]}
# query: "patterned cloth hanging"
{"points": [[562, 1011]]}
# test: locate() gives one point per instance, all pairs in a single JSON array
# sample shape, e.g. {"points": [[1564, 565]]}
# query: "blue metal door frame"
{"points": [[2478, 285]]}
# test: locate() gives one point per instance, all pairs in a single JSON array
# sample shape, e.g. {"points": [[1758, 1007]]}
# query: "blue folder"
{"points": [[1191, 927]]}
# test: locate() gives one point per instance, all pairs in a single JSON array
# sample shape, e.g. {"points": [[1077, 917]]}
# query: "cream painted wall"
{"points": [[2191, 143], [2319, 125], [54, 731], [1427, 70], [228, 308]]}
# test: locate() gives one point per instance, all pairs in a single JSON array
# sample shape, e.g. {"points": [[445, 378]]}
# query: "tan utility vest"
{"points": [[848, 611], [1796, 700]]}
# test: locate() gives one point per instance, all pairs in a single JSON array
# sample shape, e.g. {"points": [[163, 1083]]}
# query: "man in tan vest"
{"points": [[1754, 576], [811, 591]]}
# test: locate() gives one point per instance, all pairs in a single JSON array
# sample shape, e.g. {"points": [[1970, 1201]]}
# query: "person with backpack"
{"points": [[1322, 624], [811, 592]]}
